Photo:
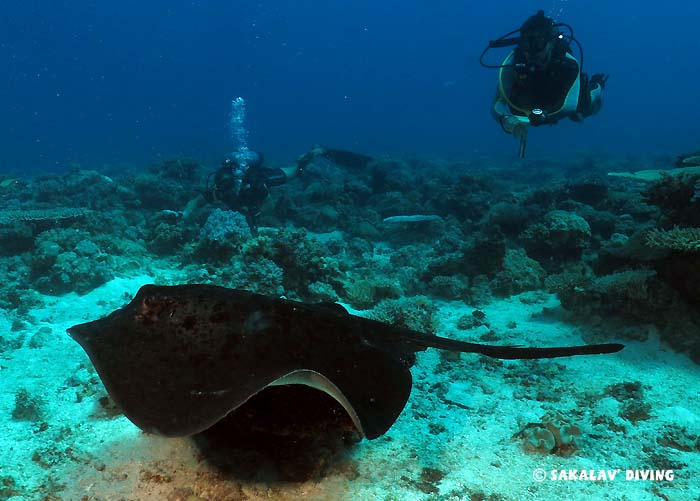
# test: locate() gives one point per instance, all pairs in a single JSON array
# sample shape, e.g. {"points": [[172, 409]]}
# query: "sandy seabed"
{"points": [[457, 439]]}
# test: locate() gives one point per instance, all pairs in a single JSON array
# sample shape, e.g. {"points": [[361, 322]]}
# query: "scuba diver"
{"points": [[541, 82], [243, 182]]}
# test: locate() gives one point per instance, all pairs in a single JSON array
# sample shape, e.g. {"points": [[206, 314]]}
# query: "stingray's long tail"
{"points": [[514, 352]]}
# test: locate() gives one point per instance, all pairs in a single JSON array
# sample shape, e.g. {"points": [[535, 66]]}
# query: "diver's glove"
{"points": [[598, 79], [513, 125]]}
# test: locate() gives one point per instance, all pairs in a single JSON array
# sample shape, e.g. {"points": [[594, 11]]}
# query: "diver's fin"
{"points": [[347, 158]]}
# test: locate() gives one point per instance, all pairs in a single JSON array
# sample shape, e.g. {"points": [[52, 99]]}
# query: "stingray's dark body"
{"points": [[177, 359]]}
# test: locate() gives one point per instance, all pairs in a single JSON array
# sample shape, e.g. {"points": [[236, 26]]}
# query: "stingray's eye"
{"points": [[152, 307], [148, 312]]}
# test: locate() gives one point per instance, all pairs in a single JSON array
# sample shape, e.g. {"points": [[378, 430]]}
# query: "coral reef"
{"points": [[688, 160], [303, 260], [9, 216], [28, 407], [633, 294], [417, 313], [679, 239], [552, 435], [584, 236], [677, 197], [364, 293], [560, 234], [620, 256], [631, 395], [223, 234], [653, 175], [66, 260], [518, 274]]}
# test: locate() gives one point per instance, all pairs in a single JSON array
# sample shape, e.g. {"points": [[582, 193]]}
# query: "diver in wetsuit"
{"points": [[541, 82], [243, 182]]}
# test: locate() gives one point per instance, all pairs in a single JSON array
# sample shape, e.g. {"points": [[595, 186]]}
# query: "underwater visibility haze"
{"points": [[94, 82], [315, 250]]}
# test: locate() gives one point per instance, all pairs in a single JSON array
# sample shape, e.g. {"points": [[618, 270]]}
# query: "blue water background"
{"points": [[97, 83]]}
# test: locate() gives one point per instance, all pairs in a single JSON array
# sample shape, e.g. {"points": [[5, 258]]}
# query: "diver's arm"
{"points": [[596, 97], [499, 108], [345, 158], [348, 158], [591, 99], [512, 124]]}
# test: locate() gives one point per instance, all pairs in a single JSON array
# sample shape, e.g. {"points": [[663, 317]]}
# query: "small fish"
{"points": [[417, 218]]}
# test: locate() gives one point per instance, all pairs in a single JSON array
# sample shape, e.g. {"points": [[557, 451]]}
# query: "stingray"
{"points": [[178, 359]]}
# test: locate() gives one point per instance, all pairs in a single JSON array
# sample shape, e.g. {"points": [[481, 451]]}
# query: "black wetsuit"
{"points": [[547, 88]]}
